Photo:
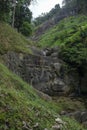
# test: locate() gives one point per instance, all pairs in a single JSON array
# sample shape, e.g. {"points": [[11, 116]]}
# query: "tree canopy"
{"points": [[15, 12]]}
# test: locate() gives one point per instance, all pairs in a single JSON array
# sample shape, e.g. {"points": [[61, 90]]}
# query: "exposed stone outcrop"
{"points": [[79, 116], [43, 70]]}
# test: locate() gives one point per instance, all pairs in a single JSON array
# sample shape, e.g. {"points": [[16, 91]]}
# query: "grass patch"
{"points": [[19, 103], [71, 124], [11, 40]]}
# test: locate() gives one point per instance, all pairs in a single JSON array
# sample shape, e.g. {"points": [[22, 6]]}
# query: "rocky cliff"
{"points": [[45, 71]]}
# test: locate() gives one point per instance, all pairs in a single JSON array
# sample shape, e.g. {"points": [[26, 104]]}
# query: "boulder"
{"points": [[84, 117], [59, 124], [80, 116]]}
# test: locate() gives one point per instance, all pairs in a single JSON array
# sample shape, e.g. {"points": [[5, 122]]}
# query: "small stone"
{"points": [[59, 121], [57, 127], [63, 113], [36, 125], [84, 117], [25, 126], [45, 129]]}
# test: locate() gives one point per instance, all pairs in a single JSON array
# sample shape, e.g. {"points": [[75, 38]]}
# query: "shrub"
{"points": [[26, 29]]}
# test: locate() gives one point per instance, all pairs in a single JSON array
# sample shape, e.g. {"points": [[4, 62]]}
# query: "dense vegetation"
{"points": [[64, 30], [21, 107], [71, 35]]}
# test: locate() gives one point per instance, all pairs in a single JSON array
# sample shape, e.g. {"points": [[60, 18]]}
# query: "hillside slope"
{"points": [[67, 30], [11, 40], [22, 109], [19, 103], [20, 106]]}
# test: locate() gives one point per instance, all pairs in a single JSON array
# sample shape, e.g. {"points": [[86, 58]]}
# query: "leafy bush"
{"points": [[26, 29], [74, 50], [74, 55]]}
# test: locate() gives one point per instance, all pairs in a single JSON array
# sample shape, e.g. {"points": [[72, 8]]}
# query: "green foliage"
{"points": [[75, 55], [74, 51], [15, 12], [22, 15], [71, 35], [26, 29], [4, 10]]}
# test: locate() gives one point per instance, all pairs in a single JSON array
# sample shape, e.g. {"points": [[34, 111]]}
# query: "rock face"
{"points": [[43, 70]]}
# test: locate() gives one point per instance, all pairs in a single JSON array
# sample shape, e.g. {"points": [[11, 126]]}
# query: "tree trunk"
{"points": [[13, 13]]}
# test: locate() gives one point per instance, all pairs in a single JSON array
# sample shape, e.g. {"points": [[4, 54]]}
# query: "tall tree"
{"points": [[17, 13], [13, 11], [22, 13], [8, 7], [4, 9]]}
